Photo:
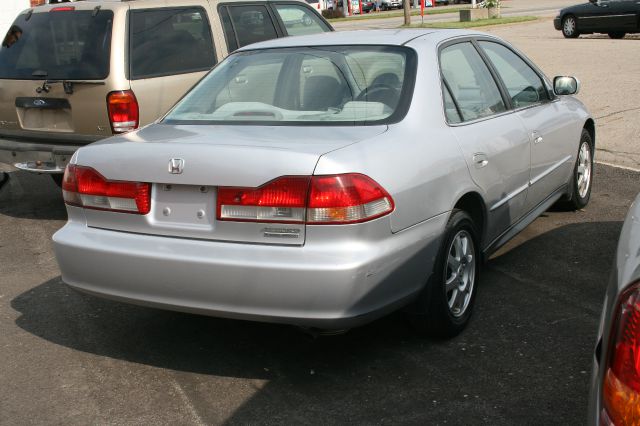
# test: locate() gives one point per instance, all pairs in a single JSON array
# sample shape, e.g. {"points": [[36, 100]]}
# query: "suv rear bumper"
{"points": [[38, 157]]}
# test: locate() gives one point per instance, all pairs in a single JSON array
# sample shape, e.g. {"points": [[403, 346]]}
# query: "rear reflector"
{"points": [[85, 187], [621, 387], [316, 200], [123, 111]]}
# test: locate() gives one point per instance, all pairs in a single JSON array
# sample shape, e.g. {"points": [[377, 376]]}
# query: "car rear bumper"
{"points": [[557, 24], [38, 157], [328, 285]]}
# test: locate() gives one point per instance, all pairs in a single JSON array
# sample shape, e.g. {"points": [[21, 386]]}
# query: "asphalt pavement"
{"points": [[69, 358]]}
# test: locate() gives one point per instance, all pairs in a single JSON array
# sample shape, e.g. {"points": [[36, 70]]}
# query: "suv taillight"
{"points": [[621, 387], [123, 111], [85, 187], [315, 200]]}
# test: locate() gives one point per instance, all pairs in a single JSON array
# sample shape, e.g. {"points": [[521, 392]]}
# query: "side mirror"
{"points": [[563, 85]]}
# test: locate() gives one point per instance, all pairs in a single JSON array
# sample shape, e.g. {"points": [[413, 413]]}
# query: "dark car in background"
{"points": [[616, 18]]}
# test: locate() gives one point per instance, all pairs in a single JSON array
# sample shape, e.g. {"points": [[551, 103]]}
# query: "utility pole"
{"points": [[406, 4]]}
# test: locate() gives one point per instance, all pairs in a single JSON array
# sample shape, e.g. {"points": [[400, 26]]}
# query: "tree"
{"points": [[406, 4]]}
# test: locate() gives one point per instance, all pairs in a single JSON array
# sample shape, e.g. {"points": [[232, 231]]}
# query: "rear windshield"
{"points": [[64, 44], [330, 85]]}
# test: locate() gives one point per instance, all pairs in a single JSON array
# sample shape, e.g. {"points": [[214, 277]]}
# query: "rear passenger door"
{"points": [[170, 49], [494, 142], [247, 23]]}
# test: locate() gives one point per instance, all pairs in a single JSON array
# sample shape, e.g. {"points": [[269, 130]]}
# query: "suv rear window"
{"points": [[170, 41], [64, 44]]}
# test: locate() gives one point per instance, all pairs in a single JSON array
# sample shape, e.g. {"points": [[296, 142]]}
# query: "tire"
{"points": [[617, 35], [570, 27], [57, 179], [444, 310], [581, 182]]}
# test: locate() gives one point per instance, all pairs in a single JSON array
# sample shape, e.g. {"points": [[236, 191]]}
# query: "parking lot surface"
{"points": [[68, 358]]}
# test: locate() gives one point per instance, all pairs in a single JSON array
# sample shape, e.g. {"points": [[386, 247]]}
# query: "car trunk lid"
{"points": [[184, 202]]}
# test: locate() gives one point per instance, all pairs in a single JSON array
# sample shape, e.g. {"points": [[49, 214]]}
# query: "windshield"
{"points": [[62, 44], [304, 85]]}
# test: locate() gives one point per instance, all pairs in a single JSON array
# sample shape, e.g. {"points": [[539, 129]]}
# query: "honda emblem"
{"points": [[176, 166]]}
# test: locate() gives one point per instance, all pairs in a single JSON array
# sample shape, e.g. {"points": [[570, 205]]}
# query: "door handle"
{"points": [[537, 138], [480, 160]]}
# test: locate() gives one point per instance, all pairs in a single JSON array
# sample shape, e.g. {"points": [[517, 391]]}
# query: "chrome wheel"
{"points": [[569, 26], [583, 178], [460, 274]]}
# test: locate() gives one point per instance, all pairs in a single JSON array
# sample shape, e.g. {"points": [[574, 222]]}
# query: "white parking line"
{"points": [[617, 166]]}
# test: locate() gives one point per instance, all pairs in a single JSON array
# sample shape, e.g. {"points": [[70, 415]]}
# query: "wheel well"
{"points": [[472, 203], [590, 126]]}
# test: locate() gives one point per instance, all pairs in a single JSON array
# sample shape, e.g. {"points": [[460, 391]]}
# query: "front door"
{"points": [[609, 16], [545, 121]]}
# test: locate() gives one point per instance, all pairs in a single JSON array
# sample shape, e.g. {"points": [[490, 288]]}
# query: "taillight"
{"points": [[85, 187], [315, 200], [281, 200], [348, 198], [63, 9], [621, 387], [123, 111]]}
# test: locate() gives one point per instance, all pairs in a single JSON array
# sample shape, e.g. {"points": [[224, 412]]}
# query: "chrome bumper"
{"points": [[36, 157]]}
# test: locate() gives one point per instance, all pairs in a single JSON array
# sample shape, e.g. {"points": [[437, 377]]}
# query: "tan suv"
{"points": [[74, 73]]}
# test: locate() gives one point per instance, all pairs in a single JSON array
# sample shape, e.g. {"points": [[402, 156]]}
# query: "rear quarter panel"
{"points": [[418, 160]]}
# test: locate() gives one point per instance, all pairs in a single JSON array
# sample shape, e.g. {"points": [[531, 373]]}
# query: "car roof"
{"points": [[392, 37]]}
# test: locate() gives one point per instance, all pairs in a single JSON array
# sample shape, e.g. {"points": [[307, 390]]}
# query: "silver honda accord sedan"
{"points": [[615, 381], [324, 181]]}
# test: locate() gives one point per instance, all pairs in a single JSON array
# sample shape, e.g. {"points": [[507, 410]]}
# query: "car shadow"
{"points": [[29, 196], [528, 346]]}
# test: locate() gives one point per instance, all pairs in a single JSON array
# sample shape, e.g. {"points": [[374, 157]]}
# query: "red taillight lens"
{"points": [[348, 198], [85, 187], [335, 199], [281, 200], [621, 387], [63, 9], [123, 111]]}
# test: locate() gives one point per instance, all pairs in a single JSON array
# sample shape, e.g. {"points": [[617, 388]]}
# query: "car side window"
{"points": [[450, 108], [246, 24], [169, 41], [299, 20], [524, 85], [472, 86]]}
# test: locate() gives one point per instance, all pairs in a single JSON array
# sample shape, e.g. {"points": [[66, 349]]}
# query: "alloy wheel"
{"points": [[460, 274], [583, 178]]}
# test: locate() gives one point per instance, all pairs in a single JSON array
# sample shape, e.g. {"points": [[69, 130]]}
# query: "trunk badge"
{"points": [[176, 166]]}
